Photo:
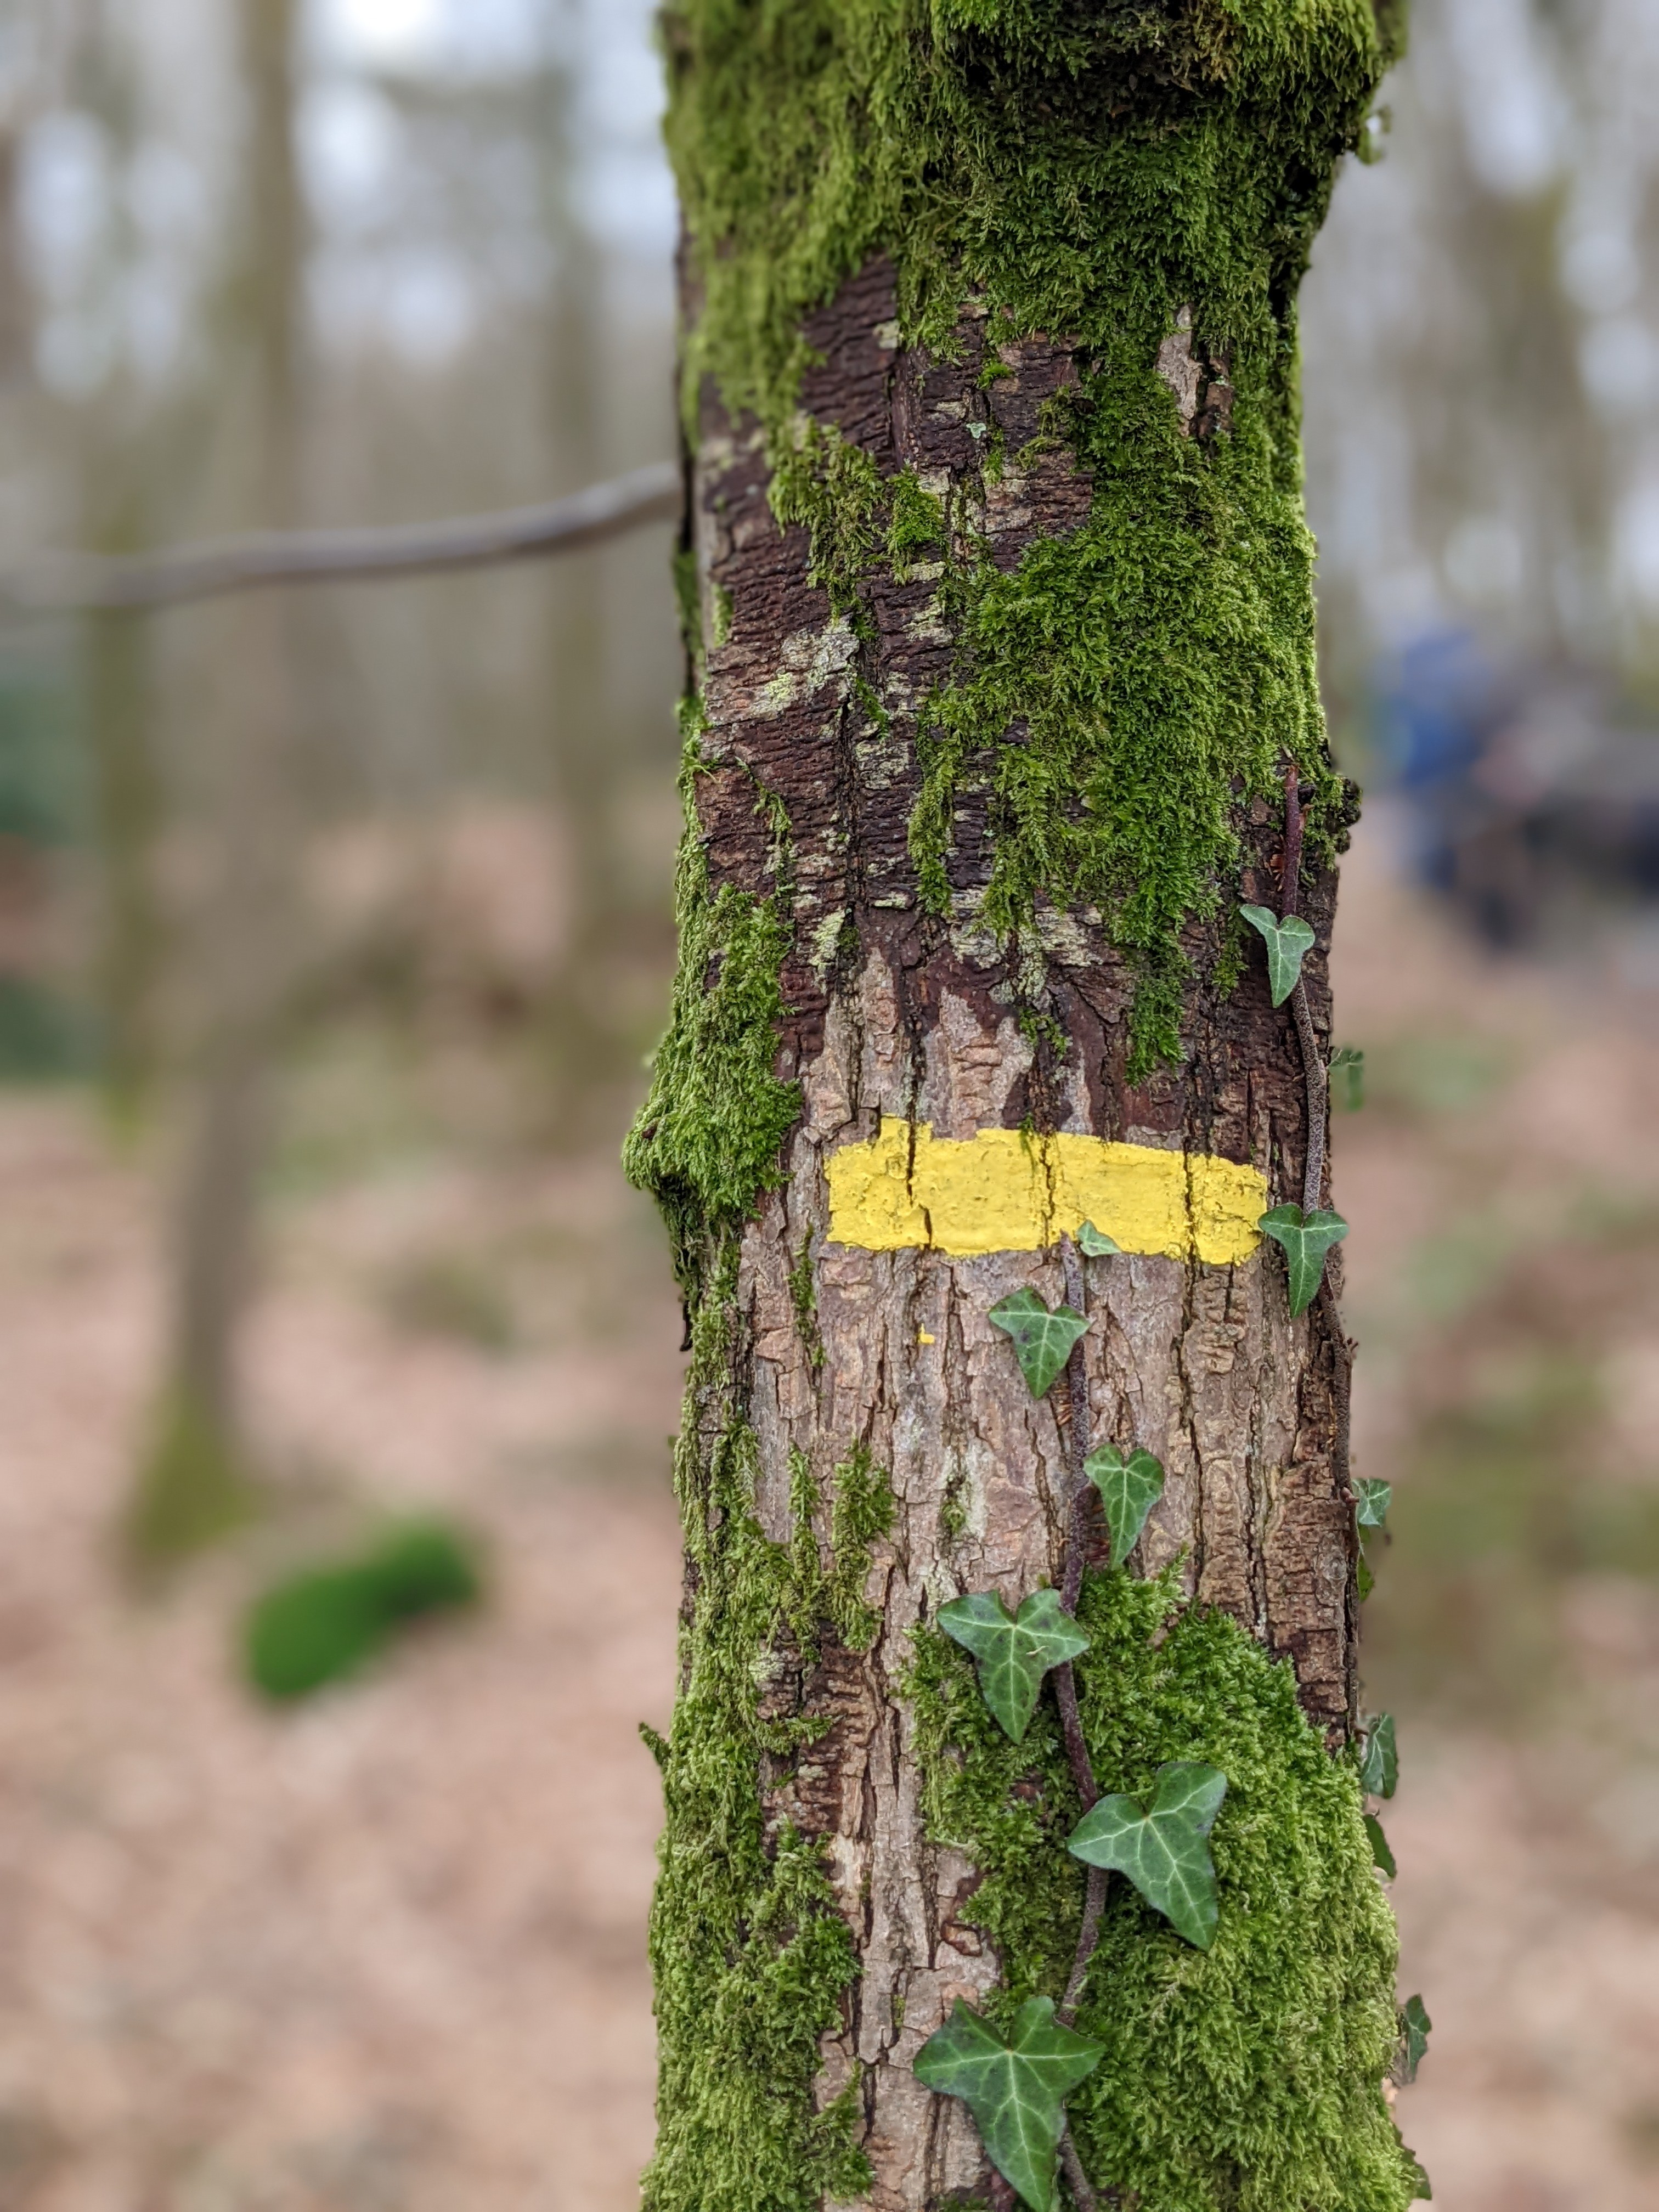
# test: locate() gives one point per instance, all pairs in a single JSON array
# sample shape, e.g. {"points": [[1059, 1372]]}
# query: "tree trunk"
{"points": [[1002, 653], [194, 1484]]}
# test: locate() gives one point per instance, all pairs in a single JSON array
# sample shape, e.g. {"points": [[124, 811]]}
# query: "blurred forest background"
{"points": [[335, 923]]}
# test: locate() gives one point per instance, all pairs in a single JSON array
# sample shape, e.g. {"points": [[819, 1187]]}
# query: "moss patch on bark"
{"points": [[1249, 2077], [1092, 174], [750, 1954], [706, 1143]]}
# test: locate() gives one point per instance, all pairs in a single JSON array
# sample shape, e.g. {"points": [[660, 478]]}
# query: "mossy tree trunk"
{"points": [[1001, 626]]}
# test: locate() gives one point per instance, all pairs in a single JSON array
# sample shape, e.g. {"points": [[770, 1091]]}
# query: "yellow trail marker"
{"points": [[1004, 1191]]}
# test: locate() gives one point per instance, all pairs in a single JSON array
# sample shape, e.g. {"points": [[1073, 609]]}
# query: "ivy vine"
{"points": [[1016, 2085]]}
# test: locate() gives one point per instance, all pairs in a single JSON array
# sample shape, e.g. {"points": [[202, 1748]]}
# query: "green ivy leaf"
{"points": [[1164, 1852], [1350, 1061], [1372, 1499], [1364, 1580], [1013, 1651], [1306, 1238], [1015, 2090], [1129, 1488], [1094, 1243], [1379, 1765], [1289, 943], [1414, 2027], [1381, 1854], [1042, 1340]]}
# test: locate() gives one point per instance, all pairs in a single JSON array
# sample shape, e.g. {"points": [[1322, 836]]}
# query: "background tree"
{"points": [[1002, 700], [195, 1482]]}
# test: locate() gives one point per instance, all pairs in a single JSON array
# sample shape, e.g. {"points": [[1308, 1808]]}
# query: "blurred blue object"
{"points": [[1531, 792]]}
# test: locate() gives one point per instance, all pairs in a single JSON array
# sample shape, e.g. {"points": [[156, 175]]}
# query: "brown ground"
{"points": [[387, 1952]]}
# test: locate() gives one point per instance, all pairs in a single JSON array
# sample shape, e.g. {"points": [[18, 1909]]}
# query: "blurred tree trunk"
{"points": [[196, 1483], [1001, 649]]}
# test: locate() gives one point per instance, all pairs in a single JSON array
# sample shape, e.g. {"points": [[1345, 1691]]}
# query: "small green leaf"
{"points": [[1306, 1239], [1372, 1499], [1364, 1580], [1164, 1852], [1414, 2027], [1094, 1243], [1013, 1651], [1042, 1340], [1350, 1061], [1289, 943], [1379, 1765], [1015, 2090], [1381, 1854], [1129, 1488]]}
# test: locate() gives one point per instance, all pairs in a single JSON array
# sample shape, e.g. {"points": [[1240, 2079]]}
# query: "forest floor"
{"points": [[386, 1952]]}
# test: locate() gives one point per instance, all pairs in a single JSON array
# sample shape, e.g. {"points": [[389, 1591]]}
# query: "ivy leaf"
{"points": [[1414, 2027], [1013, 1651], [1379, 1766], [1364, 1580], [1129, 1488], [1164, 1852], [1348, 1059], [1372, 1499], [1289, 943], [1042, 1340], [1094, 1243], [1306, 1238], [1015, 2090], [1381, 1854]]}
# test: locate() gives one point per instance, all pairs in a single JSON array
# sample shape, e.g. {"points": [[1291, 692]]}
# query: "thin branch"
{"points": [[216, 566]]}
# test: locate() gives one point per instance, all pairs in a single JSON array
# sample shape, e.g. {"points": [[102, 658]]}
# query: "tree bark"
{"points": [[961, 1068]]}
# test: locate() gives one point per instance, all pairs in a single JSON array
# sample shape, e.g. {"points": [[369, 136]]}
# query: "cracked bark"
{"points": [[894, 1014]]}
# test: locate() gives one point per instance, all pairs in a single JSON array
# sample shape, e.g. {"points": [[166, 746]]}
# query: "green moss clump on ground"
{"points": [[1088, 174], [326, 1623], [751, 1954], [1250, 2077]]}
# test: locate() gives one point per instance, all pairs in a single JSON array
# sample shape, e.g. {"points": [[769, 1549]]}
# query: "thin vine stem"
{"points": [[1076, 1748], [1082, 2189], [1316, 1077]]}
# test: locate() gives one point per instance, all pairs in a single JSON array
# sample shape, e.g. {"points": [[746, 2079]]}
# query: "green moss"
{"points": [[804, 1298], [707, 1140], [862, 1510], [750, 1956], [193, 1488], [1249, 2077], [915, 526], [1128, 685], [325, 1623]]}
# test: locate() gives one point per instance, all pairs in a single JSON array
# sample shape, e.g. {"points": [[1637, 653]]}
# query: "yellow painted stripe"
{"points": [[1003, 1191]]}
